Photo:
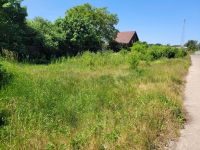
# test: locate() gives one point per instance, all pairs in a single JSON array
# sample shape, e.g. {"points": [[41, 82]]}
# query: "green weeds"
{"points": [[95, 101]]}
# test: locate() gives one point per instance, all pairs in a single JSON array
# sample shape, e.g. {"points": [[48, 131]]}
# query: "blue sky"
{"points": [[156, 21]]}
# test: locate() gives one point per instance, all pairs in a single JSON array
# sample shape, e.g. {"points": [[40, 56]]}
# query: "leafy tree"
{"points": [[45, 30], [64, 48], [88, 28], [12, 23], [192, 45], [45, 37], [83, 28]]}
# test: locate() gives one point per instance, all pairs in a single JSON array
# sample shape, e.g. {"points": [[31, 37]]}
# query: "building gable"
{"points": [[127, 38]]}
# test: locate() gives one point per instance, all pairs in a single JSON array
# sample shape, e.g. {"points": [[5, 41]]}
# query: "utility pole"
{"points": [[183, 34]]}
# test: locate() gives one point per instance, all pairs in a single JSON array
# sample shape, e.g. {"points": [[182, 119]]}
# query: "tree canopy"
{"points": [[192, 45], [12, 23], [83, 28], [88, 28]]}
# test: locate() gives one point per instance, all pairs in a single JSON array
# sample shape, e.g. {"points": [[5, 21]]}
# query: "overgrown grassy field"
{"points": [[94, 101]]}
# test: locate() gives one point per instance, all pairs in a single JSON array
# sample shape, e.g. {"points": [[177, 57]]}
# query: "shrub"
{"points": [[139, 47], [4, 76], [134, 60], [169, 52], [180, 53], [154, 52]]}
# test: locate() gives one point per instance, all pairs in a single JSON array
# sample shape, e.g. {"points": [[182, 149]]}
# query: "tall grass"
{"points": [[95, 101]]}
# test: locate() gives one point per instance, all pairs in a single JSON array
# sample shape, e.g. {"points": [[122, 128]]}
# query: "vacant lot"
{"points": [[94, 101]]}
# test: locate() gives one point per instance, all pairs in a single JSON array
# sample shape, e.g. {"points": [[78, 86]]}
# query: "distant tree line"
{"points": [[83, 28], [192, 45]]}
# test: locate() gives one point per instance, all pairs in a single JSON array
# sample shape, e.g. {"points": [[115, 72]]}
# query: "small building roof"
{"points": [[125, 37]]}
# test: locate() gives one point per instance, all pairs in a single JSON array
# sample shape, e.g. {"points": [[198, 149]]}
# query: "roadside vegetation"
{"points": [[101, 100], [192, 46]]}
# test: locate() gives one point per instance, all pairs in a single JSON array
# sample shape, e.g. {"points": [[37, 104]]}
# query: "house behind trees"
{"points": [[124, 40], [127, 38]]}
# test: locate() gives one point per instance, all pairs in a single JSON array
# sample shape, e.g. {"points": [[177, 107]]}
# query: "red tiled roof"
{"points": [[125, 37]]}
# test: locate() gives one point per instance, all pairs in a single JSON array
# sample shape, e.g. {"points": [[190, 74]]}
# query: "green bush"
{"points": [[154, 52], [4, 77], [134, 60], [180, 53], [140, 47], [169, 52]]}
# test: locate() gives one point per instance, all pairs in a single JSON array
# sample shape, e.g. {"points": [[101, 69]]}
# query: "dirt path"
{"points": [[190, 135]]}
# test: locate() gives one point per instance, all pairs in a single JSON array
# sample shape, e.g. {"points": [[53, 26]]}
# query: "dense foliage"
{"points": [[88, 28], [192, 45], [154, 52], [4, 76], [83, 28], [12, 25], [45, 39]]}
